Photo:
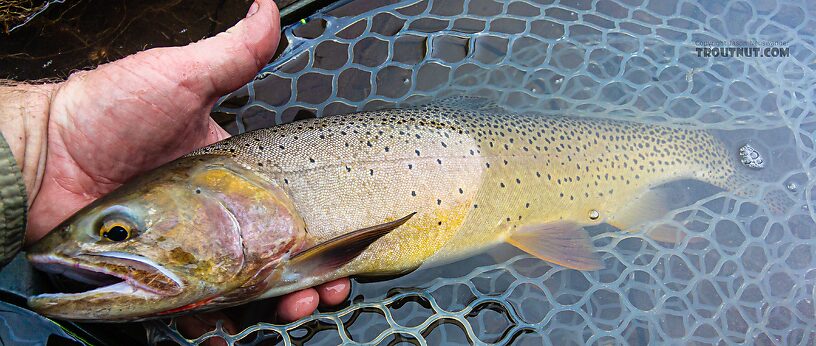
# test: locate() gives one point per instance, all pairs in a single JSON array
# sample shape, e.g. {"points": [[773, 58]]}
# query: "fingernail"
{"points": [[297, 305], [252, 9], [334, 292], [305, 305]]}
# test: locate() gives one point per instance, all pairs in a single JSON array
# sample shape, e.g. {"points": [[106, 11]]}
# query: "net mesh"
{"points": [[745, 275]]}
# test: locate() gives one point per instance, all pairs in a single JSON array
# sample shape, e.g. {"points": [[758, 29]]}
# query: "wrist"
{"points": [[24, 110]]}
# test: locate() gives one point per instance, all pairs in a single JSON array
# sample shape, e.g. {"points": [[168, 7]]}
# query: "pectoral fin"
{"points": [[336, 252], [564, 243]]}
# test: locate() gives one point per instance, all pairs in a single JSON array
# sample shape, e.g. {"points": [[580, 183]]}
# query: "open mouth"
{"points": [[110, 272]]}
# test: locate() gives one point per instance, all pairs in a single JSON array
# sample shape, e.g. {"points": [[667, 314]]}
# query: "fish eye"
{"points": [[117, 230]]}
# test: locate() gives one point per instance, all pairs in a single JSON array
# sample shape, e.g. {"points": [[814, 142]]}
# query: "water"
{"points": [[82, 34], [743, 275]]}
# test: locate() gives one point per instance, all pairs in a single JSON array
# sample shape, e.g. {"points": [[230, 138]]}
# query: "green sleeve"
{"points": [[12, 205]]}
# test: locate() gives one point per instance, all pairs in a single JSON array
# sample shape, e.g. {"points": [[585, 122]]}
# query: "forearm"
{"points": [[24, 112]]}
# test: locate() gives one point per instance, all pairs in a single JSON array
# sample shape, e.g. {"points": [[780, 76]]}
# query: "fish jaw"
{"points": [[132, 288]]}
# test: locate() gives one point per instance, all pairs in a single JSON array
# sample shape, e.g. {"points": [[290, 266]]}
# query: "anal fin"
{"points": [[336, 252], [651, 205], [564, 243]]}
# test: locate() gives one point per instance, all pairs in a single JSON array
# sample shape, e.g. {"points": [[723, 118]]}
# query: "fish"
{"points": [[369, 194]]}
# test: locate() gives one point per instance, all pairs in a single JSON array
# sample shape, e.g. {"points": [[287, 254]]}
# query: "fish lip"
{"points": [[154, 279]]}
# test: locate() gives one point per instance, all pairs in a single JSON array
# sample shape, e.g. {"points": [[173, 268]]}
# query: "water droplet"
{"points": [[791, 186], [594, 214], [751, 157]]}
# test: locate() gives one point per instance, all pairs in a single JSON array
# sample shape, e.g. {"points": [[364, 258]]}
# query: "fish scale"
{"points": [[472, 176]]}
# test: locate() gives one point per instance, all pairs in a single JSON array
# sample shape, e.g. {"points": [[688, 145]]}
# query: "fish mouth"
{"points": [[109, 273]]}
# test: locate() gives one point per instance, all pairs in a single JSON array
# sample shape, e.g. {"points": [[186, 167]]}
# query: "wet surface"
{"points": [[16, 13]]}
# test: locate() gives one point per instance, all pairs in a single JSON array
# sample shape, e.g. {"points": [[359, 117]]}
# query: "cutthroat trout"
{"points": [[376, 193]]}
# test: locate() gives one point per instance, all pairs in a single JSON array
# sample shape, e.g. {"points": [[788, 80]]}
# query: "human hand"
{"points": [[107, 125], [78, 140]]}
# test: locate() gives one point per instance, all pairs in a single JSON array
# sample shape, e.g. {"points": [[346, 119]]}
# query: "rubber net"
{"points": [[743, 275]]}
